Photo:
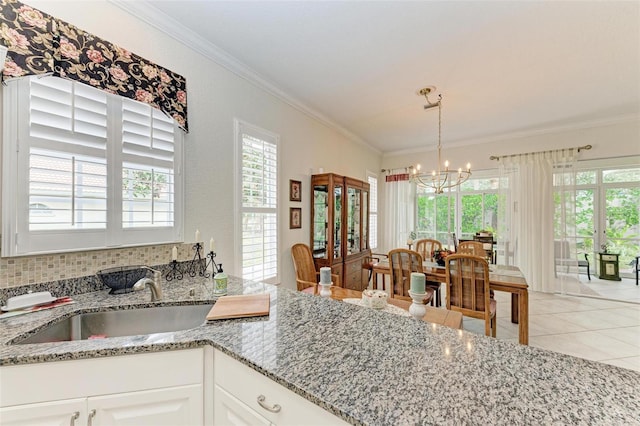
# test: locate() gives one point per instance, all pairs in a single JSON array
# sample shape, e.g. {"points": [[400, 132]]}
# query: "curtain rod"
{"points": [[580, 148], [404, 169]]}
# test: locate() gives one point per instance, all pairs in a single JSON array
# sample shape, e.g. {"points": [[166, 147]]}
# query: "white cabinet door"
{"points": [[56, 413], [279, 405], [230, 411], [158, 407]]}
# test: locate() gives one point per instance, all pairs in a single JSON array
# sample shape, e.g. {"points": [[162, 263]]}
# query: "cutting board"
{"points": [[245, 305]]}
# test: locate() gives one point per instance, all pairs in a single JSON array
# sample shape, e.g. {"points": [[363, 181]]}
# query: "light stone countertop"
{"points": [[366, 366]]}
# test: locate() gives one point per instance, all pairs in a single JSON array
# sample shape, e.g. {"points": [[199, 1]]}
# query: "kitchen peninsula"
{"points": [[361, 365]]}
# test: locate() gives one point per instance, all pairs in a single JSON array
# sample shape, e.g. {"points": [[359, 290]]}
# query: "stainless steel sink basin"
{"points": [[128, 322]]}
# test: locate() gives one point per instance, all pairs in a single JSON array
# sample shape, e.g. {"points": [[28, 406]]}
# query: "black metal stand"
{"points": [[197, 267], [174, 272], [214, 267]]}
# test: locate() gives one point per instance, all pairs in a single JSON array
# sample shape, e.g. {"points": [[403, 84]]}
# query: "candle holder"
{"points": [[197, 266], [325, 289], [417, 309], [210, 261], [174, 272]]}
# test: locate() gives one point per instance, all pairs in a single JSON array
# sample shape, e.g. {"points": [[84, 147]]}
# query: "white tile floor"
{"points": [[593, 328]]}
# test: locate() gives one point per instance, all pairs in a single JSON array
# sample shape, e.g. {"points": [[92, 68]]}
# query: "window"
{"points": [[464, 211], [258, 164], [373, 210], [81, 166]]}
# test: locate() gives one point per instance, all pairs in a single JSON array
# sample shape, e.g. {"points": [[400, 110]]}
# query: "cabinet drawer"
{"points": [[247, 385], [609, 257], [99, 376]]}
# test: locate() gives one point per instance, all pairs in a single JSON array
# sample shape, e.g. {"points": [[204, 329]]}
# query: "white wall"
{"points": [[215, 97]]}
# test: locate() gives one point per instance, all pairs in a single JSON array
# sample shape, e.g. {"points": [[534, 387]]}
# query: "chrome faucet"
{"points": [[153, 284]]}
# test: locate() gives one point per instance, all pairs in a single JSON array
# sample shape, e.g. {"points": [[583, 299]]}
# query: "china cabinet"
{"points": [[340, 227]]}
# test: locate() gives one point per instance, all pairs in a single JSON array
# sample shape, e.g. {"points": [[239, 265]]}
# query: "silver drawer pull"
{"points": [[274, 409], [92, 414], [74, 417]]}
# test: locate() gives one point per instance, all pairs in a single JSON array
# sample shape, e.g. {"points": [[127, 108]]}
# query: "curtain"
{"points": [[398, 213], [534, 212], [40, 44]]}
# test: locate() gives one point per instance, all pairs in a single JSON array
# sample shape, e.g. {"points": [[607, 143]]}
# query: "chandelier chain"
{"points": [[439, 179]]}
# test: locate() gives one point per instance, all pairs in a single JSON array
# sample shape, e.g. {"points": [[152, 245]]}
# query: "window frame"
{"points": [[241, 127], [18, 240]]}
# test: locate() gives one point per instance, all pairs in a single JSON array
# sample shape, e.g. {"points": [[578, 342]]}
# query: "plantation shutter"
{"points": [[67, 176], [259, 207], [148, 166]]}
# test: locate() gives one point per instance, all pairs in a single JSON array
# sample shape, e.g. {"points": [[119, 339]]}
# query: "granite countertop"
{"points": [[366, 366]]}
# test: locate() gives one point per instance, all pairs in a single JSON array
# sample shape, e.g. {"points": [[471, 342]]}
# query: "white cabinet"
{"points": [[137, 390], [62, 413], [244, 396], [170, 406], [230, 411]]}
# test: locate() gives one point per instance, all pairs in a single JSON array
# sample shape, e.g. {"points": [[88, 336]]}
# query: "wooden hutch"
{"points": [[340, 227]]}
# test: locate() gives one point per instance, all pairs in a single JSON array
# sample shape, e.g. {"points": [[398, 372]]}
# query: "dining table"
{"points": [[506, 278], [433, 315]]}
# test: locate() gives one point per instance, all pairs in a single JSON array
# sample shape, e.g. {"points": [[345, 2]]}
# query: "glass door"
{"points": [[320, 221], [337, 221], [621, 228], [353, 220], [586, 224], [365, 223]]}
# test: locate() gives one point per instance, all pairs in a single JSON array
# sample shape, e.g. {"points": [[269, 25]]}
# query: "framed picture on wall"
{"points": [[295, 190], [295, 218]]}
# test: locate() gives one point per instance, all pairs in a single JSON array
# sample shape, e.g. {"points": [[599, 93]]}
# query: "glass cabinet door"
{"points": [[353, 220], [337, 221], [320, 221], [365, 221]]}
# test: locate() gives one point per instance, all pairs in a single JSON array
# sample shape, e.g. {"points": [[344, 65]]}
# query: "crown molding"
{"points": [[145, 11], [522, 134]]}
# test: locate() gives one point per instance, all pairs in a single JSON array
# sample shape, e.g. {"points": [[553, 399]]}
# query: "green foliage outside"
{"points": [[480, 212], [143, 184]]}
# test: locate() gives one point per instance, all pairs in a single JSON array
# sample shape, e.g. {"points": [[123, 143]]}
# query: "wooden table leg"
{"points": [[524, 318], [514, 308]]}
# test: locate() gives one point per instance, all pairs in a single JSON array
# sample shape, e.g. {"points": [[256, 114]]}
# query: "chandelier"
{"points": [[439, 179]]}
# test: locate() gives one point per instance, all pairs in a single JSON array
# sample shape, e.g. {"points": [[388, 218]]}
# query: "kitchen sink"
{"points": [[128, 322]]}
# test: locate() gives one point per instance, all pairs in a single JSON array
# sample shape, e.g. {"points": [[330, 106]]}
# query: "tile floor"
{"points": [[587, 327]]}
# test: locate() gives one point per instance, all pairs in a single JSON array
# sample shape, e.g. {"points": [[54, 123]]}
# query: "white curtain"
{"points": [[398, 214], [534, 213]]}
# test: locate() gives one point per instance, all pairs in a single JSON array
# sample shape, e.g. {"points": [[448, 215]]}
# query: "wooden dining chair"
{"points": [[468, 289], [471, 247], [426, 247], [306, 274], [402, 263]]}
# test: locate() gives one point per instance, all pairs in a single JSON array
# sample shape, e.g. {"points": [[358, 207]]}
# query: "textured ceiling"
{"points": [[502, 67]]}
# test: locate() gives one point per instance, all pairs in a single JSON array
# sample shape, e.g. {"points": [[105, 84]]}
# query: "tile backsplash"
{"points": [[27, 270]]}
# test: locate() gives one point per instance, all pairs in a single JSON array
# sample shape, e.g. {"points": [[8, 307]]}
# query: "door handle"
{"points": [[74, 417], [92, 414], [274, 408]]}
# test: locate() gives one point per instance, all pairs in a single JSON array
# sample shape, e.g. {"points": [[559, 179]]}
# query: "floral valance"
{"points": [[397, 178], [41, 44]]}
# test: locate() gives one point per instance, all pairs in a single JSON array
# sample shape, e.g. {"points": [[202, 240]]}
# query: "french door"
{"points": [[607, 214]]}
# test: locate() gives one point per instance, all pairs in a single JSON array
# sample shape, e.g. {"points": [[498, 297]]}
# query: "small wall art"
{"points": [[295, 218], [295, 190]]}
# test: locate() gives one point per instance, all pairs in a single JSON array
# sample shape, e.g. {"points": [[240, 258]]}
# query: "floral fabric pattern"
{"points": [[41, 44]]}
